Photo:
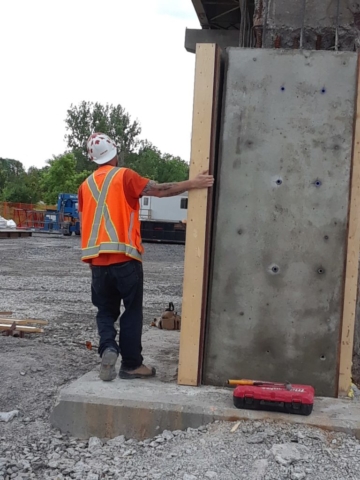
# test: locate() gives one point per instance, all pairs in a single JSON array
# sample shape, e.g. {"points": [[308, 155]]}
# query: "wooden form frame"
{"points": [[199, 216], [352, 259]]}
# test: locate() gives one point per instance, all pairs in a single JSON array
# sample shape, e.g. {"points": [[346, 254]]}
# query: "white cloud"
{"points": [[115, 51]]}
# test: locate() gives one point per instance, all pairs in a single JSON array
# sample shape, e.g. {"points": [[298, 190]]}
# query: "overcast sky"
{"points": [[128, 52]]}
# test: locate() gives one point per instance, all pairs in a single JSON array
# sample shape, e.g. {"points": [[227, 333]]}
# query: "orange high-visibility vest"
{"points": [[108, 223]]}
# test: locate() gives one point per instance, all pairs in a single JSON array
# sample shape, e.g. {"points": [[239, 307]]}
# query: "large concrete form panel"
{"points": [[276, 293]]}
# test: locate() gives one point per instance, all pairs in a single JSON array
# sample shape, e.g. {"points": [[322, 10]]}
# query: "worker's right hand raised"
{"points": [[203, 180]]}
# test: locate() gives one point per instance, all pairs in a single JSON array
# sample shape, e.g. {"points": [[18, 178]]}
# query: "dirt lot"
{"points": [[42, 277]]}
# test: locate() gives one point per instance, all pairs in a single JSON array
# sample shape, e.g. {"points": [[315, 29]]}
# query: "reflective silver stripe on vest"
{"points": [[108, 247], [131, 224], [113, 246]]}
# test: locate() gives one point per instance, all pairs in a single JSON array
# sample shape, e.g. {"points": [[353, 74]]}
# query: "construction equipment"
{"points": [[62, 219], [272, 396], [65, 218]]}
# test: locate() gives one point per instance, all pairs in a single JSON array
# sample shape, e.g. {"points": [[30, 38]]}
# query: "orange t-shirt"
{"points": [[134, 185]]}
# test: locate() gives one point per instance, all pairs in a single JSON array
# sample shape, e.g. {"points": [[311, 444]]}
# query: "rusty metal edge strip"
{"points": [[214, 146]]}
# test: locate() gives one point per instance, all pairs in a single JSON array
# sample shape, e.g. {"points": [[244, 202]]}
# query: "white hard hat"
{"points": [[101, 149]]}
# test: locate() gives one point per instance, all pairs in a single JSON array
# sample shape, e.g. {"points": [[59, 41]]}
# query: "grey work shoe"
{"points": [[140, 372], [107, 368]]}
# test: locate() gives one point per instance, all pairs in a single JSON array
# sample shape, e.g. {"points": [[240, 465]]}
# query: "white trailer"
{"points": [[164, 219], [170, 209]]}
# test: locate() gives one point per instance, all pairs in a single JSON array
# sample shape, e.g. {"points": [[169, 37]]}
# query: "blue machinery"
{"points": [[65, 219]]}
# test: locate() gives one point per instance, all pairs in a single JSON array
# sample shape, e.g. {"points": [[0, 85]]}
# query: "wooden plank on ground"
{"points": [[10, 321], [21, 328], [205, 98], [5, 313], [352, 261]]}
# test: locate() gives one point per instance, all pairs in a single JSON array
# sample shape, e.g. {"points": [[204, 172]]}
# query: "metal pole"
{"points": [[242, 6], [337, 27], [264, 24], [302, 24]]}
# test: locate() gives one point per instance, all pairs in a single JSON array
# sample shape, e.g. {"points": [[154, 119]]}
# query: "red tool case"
{"points": [[275, 398]]}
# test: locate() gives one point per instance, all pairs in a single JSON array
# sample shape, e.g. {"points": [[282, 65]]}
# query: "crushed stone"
{"points": [[41, 277]]}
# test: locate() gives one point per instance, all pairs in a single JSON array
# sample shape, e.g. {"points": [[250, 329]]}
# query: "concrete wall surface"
{"points": [[281, 217], [319, 18], [316, 14]]}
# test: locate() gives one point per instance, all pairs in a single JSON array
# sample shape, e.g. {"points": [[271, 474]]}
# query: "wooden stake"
{"points": [[235, 427], [197, 241], [352, 261]]}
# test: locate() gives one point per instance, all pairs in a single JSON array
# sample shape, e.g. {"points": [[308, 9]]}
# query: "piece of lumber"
{"points": [[5, 313], [21, 328], [23, 321], [352, 260], [206, 86]]}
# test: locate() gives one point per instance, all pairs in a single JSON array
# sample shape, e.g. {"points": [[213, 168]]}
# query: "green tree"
{"points": [[10, 171], [173, 169], [18, 193], [33, 181], [151, 163], [61, 176], [13, 187], [88, 117]]}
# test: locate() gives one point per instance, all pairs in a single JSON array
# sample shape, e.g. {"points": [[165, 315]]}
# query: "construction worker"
{"points": [[111, 244]]}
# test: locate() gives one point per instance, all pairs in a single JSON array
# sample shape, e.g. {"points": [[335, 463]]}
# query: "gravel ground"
{"points": [[41, 277]]}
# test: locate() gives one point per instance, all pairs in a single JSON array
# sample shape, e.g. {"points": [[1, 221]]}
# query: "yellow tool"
{"points": [[258, 383]]}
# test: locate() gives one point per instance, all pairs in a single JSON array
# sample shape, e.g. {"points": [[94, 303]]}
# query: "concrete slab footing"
{"points": [[144, 408]]}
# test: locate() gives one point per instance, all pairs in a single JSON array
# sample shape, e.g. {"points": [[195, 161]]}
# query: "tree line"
{"points": [[64, 173]]}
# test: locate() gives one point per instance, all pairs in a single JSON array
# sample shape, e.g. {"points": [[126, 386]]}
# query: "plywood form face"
{"points": [[276, 295]]}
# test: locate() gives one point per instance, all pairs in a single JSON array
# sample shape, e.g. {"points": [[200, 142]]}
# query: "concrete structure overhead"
{"points": [[218, 14], [309, 24], [276, 294]]}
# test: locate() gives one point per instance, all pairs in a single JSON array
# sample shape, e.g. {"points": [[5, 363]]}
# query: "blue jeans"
{"points": [[110, 285]]}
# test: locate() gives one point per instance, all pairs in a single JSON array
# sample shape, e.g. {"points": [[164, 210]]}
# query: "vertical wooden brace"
{"points": [[352, 260], [197, 228]]}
